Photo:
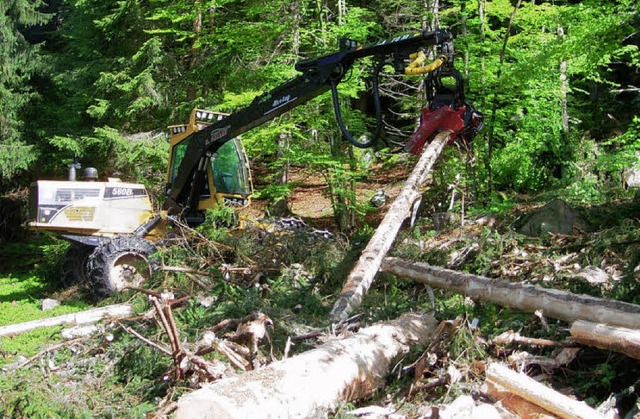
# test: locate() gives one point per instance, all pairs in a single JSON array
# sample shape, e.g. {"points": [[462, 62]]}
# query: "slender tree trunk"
{"points": [[320, 4], [342, 11], [563, 90], [465, 38], [482, 38], [192, 89], [563, 93], [295, 8], [430, 15], [494, 106], [481, 17], [341, 190], [280, 208]]}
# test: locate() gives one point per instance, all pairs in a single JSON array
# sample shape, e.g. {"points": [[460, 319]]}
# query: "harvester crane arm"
{"points": [[317, 76]]}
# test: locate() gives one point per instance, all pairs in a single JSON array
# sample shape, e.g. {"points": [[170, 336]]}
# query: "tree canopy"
{"points": [[556, 80]]}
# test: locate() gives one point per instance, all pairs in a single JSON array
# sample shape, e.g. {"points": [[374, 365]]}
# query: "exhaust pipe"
{"points": [[72, 171]]}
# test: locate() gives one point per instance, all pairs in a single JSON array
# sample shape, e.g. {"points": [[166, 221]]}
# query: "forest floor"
{"points": [[114, 374]]}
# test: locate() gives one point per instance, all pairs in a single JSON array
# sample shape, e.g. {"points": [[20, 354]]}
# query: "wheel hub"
{"points": [[129, 269]]}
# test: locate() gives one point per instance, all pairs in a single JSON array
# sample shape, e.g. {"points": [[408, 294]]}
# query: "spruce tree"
{"points": [[19, 61]]}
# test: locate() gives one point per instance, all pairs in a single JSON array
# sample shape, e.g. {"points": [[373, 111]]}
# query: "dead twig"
{"points": [[145, 340], [183, 360], [236, 359], [50, 349]]}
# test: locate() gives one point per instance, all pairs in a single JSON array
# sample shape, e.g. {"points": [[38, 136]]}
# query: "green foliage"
{"points": [[217, 221], [75, 87], [21, 294], [19, 61], [621, 151]]}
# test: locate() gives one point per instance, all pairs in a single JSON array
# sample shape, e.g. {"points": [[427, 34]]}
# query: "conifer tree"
{"points": [[19, 61]]}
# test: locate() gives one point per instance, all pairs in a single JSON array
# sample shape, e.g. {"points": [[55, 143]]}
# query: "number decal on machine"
{"points": [[122, 192]]}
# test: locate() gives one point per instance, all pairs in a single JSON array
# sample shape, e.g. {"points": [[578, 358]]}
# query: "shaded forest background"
{"points": [[96, 81]]}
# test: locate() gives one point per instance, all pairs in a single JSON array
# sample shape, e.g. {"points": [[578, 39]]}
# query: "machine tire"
{"points": [[119, 262], [74, 264]]}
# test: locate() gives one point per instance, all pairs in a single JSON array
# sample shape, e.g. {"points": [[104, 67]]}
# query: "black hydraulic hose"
{"points": [[378, 107], [145, 228]]}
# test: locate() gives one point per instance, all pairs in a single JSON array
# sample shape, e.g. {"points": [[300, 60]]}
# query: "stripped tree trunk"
{"points": [[558, 304], [363, 274], [534, 392], [617, 339], [93, 315], [314, 382]]}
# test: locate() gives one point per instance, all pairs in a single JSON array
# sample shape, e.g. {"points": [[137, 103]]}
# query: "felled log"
{"points": [[93, 315], [602, 336], [361, 277], [536, 393], [554, 303], [515, 404], [315, 381]]}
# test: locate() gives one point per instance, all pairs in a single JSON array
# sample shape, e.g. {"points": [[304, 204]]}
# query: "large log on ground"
{"points": [[82, 317], [554, 303], [361, 277], [315, 381], [602, 336], [534, 392]]}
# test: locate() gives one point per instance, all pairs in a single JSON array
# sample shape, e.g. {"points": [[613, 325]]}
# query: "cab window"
{"points": [[176, 158], [229, 170]]}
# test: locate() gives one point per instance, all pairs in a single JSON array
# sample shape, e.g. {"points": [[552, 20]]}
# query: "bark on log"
{"points": [[313, 382], [361, 277], [558, 304], [93, 315], [539, 394], [601, 336]]}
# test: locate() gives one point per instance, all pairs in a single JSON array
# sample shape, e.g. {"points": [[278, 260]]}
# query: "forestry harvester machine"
{"points": [[112, 225]]}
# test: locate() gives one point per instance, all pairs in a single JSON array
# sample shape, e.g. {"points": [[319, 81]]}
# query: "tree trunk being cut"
{"points": [[361, 277], [554, 303], [313, 382], [619, 339]]}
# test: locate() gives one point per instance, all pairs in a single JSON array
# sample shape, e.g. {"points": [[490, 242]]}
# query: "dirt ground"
{"points": [[310, 201]]}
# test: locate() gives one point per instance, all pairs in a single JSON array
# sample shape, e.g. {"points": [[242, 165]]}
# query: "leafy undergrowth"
{"points": [[293, 277]]}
